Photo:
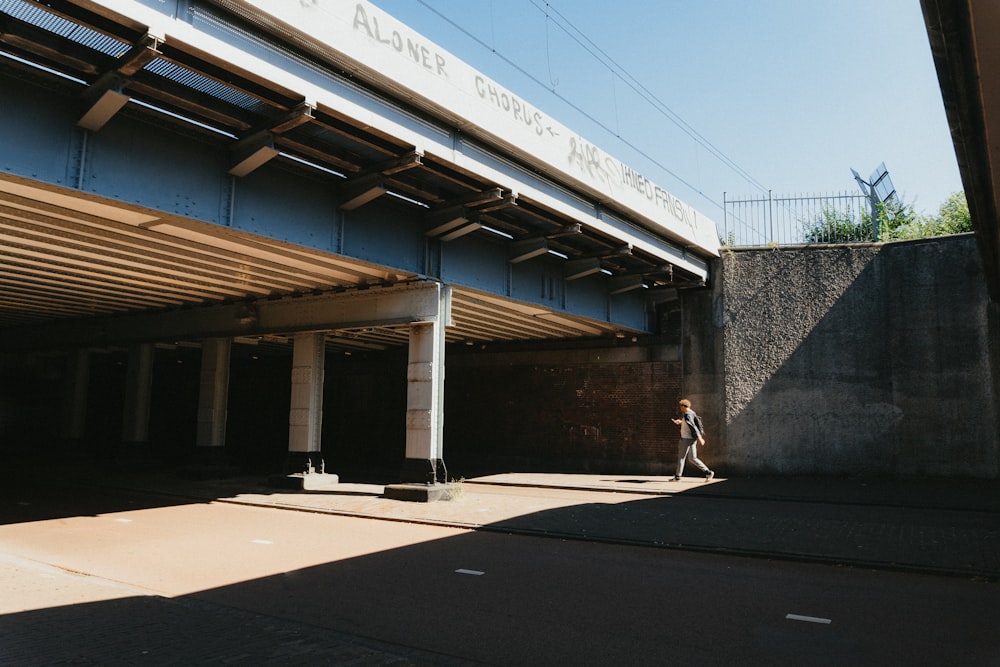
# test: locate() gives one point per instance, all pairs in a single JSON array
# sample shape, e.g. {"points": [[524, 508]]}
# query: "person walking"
{"points": [[692, 435]]}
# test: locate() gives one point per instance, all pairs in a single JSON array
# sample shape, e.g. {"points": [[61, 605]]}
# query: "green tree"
{"points": [[836, 226], [953, 217], [897, 221]]}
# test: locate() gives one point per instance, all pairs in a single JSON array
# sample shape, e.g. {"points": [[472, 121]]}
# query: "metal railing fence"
{"points": [[794, 220]]}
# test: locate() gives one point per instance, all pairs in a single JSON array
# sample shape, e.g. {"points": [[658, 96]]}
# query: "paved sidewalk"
{"points": [[935, 526], [83, 620]]}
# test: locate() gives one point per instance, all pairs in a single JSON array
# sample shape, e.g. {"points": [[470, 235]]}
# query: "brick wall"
{"points": [[566, 417]]}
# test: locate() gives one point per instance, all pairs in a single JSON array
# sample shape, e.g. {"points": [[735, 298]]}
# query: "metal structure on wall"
{"points": [[161, 156], [879, 190]]}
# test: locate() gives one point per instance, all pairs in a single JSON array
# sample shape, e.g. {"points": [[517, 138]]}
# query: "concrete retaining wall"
{"points": [[855, 359]]}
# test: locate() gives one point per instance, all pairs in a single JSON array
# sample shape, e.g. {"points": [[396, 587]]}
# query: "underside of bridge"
{"points": [[198, 177], [75, 248]]}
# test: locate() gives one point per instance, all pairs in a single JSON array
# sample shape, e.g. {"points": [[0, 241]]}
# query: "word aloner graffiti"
{"points": [[422, 55]]}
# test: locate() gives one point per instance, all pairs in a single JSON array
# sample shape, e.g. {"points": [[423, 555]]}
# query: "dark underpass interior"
{"points": [[546, 414]]}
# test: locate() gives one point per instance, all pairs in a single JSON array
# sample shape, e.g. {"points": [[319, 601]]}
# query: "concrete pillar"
{"points": [[425, 404], [213, 400], [138, 391], [74, 421], [305, 418]]}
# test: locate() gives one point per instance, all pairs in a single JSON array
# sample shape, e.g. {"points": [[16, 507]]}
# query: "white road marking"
{"points": [[263, 542], [474, 572], [808, 619], [124, 520]]}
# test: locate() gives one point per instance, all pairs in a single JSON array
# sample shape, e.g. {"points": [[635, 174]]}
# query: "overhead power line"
{"points": [[625, 76], [590, 46]]}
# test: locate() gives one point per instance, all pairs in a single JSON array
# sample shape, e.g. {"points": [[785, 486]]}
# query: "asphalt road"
{"points": [[106, 577]]}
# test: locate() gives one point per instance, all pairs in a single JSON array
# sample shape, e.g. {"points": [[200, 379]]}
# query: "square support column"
{"points": [[424, 475], [425, 404], [138, 391], [74, 421], [213, 412], [213, 400], [305, 417]]}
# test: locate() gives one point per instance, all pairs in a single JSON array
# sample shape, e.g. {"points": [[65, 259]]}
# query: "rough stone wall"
{"points": [[856, 359]]}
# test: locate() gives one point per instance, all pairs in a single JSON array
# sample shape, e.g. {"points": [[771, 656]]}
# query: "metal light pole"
{"points": [[869, 190]]}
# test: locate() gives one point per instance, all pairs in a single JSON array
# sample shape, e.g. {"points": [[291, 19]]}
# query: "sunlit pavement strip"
{"points": [[29, 585], [263, 542], [808, 619]]}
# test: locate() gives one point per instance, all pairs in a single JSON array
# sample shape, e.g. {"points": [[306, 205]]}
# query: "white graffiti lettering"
{"points": [[673, 205], [510, 104], [420, 54], [633, 179], [587, 158]]}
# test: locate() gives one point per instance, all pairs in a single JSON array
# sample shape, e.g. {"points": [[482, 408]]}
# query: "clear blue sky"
{"points": [[793, 92]]}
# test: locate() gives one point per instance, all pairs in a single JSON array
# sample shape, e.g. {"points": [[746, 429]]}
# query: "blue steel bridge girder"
{"points": [[307, 171]]}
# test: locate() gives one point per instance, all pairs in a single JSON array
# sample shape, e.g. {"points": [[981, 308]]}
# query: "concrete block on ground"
{"points": [[303, 481], [421, 493]]}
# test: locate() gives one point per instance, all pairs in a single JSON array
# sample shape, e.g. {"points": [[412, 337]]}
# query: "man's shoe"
{"points": [[709, 475], [676, 478]]}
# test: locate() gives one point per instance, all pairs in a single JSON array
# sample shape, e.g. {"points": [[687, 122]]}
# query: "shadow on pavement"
{"points": [[483, 597], [28, 497], [488, 598], [152, 630]]}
